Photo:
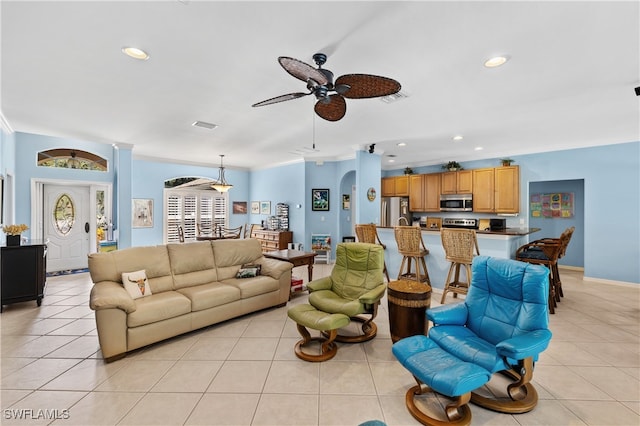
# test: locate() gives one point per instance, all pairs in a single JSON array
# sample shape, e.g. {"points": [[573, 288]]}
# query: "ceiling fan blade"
{"points": [[301, 70], [332, 108], [281, 98], [367, 86]]}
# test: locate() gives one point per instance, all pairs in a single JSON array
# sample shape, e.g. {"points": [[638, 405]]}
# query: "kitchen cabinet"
{"points": [[272, 240], [507, 189], [23, 273], [496, 190], [483, 190], [416, 193], [432, 185], [424, 192], [459, 182], [395, 186]]}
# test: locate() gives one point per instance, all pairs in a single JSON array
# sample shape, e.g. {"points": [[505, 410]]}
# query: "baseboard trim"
{"points": [[612, 282]]}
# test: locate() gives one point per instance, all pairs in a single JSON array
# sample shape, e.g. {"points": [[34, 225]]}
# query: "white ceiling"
{"points": [[570, 81]]}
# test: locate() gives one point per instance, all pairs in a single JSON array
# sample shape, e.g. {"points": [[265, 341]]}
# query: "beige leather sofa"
{"points": [[193, 285]]}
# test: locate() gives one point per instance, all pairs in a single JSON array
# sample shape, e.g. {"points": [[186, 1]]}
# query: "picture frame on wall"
{"points": [[142, 213], [265, 207], [346, 201], [320, 200], [255, 207], [239, 207]]}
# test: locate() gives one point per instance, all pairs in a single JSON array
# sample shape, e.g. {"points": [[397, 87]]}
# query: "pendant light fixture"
{"points": [[221, 185]]}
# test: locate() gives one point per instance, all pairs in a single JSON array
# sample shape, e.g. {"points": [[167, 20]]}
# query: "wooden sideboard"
{"points": [[23, 273], [272, 240]]}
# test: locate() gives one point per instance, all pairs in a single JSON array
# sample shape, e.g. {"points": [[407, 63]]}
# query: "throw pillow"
{"points": [[136, 284], [248, 272], [251, 265]]}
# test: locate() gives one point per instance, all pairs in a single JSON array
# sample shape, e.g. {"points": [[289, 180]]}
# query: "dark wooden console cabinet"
{"points": [[23, 273]]}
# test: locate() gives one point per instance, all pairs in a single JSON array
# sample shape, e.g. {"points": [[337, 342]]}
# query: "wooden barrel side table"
{"points": [[408, 302]]}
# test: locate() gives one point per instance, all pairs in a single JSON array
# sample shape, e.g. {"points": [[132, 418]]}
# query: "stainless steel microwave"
{"points": [[456, 203]]}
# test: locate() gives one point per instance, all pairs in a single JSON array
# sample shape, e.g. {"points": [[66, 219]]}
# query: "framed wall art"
{"points": [[265, 207], [239, 207], [255, 207], [142, 213], [346, 201], [320, 200]]}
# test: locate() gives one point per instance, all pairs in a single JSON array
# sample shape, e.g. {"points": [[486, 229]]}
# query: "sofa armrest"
{"points": [[525, 345], [273, 267], [109, 295], [374, 295], [319, 284], [453, 314]]}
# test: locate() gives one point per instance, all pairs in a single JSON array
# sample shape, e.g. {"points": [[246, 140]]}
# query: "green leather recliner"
{"points": [[354, 288]]}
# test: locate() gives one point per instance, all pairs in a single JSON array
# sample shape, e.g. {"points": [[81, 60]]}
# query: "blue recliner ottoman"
{"points": [[443, 373]]}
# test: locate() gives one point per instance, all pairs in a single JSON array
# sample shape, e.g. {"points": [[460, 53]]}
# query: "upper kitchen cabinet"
{"points": [[416, 193], [395, 186], [496, 190], [460, 182], [424, 192], [432, 183], [483, 190], [507, 191]]}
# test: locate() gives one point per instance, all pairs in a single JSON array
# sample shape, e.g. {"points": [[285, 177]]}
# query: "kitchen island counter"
{"points": [[501, 244]]}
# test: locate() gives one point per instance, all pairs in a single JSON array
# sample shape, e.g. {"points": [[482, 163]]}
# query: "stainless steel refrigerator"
{"points": [[393, 210]]}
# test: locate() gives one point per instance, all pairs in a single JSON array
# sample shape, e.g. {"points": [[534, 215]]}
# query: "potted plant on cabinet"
{"points": [[452, 166], [506, 162], [13, 233]]}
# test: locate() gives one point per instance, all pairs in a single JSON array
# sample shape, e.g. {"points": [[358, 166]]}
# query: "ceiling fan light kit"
{"points": [[331, 104]]}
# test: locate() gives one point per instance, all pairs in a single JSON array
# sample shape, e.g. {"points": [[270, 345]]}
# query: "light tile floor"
{"points": [[244, 371]]}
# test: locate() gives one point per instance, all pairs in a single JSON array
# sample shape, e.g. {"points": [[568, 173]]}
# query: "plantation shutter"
{"points": [[174, 218], [191, 208]]}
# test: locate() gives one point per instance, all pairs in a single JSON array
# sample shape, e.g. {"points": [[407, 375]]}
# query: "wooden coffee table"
{"points": [[297, 257]]}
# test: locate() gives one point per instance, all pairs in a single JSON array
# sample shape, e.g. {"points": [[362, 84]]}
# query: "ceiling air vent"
{"points": [[204, 124], [394, 97]]}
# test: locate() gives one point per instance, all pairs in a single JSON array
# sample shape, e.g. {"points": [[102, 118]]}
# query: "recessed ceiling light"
{"points": [[496, 61], [401, 144], [457, 138], [478, 148], [135, 53], [391, 160]]}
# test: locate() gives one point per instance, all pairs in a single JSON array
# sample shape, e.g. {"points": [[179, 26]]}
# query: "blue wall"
{"points": [[148, 179], [283, 184], [611, 234], [553, 227]]}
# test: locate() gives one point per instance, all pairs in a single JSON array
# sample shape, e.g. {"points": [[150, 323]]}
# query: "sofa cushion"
{"points": [[192, 264], [153, 259], [160, 306], [254, 286], [207, 296], [136, 284], [231, 254]]}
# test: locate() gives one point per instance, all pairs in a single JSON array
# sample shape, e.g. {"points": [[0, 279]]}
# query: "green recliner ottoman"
{"points": [[308, 316]]}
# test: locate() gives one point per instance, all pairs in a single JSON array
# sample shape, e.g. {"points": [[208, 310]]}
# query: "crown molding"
{"points": [[4, 123]]}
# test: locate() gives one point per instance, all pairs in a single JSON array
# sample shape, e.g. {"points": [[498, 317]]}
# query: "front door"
{"points": [[66, 226]]}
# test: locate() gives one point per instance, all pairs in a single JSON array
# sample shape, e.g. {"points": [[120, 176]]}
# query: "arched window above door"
{"points": [[69, 158]]}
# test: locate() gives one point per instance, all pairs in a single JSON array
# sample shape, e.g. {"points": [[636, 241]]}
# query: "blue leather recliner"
{"points": [[501, 327]]}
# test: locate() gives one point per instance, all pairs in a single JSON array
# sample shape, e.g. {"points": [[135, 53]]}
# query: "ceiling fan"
{"points": [[330, 95]]}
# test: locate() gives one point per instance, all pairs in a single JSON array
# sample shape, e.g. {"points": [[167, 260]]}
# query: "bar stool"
{"points": [[367, 233], [547, 251], [460, 245], [411, 247]]}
